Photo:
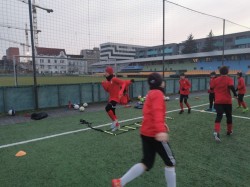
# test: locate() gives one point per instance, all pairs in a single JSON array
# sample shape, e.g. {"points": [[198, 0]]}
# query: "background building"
{"points": [[77, 64], [118, 51], [11, 52]]}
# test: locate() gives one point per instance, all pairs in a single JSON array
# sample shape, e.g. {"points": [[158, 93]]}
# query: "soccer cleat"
{"points": [[181, 111], [217, 137], [209, 109], [245, 110], [116, 183], [189, 110], [229, 133], [238, 107]]}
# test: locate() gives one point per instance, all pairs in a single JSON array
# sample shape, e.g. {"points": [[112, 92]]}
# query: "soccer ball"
{"points": [[76, 107], [11, 112], [81, 109], [167, 98], [85, 105]]}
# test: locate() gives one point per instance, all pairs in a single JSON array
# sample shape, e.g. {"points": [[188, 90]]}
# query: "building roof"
{"points": [[75, 56], [49, 51]]}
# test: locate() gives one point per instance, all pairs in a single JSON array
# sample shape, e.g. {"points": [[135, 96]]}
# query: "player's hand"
{"points": [[162, 137]]}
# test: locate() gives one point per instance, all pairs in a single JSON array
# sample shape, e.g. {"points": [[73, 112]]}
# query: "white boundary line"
{"points": [[75, 131], [203, 111]]}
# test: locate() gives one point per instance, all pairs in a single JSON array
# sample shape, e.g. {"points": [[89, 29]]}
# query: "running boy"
{"points": [[154, 135], [241, 88], [184, 92], [211, 92], [223, 101], [115, 88]]}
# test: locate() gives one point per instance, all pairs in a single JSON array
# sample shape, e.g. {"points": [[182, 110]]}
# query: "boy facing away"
{"points": [[223, 101]]}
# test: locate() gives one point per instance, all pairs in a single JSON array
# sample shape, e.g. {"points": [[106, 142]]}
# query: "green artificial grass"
{"points": [[90, 158]]}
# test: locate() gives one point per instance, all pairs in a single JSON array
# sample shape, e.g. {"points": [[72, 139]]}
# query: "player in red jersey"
{"points": [[241, 88], [184, 92], [115, 88], [211, 92], [223, 101], [154, 135]]}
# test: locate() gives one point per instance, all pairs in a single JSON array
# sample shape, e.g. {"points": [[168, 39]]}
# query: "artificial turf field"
{"points": [[91, 159]]}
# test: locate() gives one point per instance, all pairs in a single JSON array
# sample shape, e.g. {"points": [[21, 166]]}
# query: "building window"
{"points": [[55, 61], [41, 61], [62, 61], [48, 60], [49, 67], [55, 67]]}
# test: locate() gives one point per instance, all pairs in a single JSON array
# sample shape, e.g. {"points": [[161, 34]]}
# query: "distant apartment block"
{"points": [[117, 52], [77, 64], [11, 52], [232, 41], [56, 61]]}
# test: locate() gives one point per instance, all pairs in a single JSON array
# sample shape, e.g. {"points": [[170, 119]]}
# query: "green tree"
{"points": [[189, 45], [209, 43]]}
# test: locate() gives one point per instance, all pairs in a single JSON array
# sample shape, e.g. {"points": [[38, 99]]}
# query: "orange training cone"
{"points": [[20, 153]]}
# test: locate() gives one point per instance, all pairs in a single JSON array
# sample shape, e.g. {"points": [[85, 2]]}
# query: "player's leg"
{"points": [[165, 152], [110, 109], [228, 111], [181, 104], [219, 110], [211, 101], [186, 103], [139, 168], [243, 103], [239, 100]]}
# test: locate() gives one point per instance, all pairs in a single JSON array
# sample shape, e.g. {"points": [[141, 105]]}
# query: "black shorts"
{"points": [[211, 96], [151, 146], [240, 97], [223, 108], [185, 97]]}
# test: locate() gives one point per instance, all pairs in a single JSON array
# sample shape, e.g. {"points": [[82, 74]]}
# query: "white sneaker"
{"points": [[217, 137], [112, 126], [116, 126]]}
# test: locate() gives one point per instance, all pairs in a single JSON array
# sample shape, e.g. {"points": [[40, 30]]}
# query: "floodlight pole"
{"points": [[223, 42], [163, 41], [33, 55]]}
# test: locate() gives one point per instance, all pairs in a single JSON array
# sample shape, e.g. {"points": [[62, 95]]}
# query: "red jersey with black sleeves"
{"points": [[221, 86], [241, 86], [115, 88], [184, 86], [154, 113]]}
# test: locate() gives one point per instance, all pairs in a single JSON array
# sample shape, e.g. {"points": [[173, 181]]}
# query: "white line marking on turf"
{"points": [[242, 117], [80, 130]]}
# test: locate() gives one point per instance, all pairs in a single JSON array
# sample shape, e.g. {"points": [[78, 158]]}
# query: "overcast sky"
{"points": [[84, 24]]}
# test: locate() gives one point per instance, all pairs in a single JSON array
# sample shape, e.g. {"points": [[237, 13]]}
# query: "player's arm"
{"points": [[105, 85], [158, 112], [233, 90]]}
